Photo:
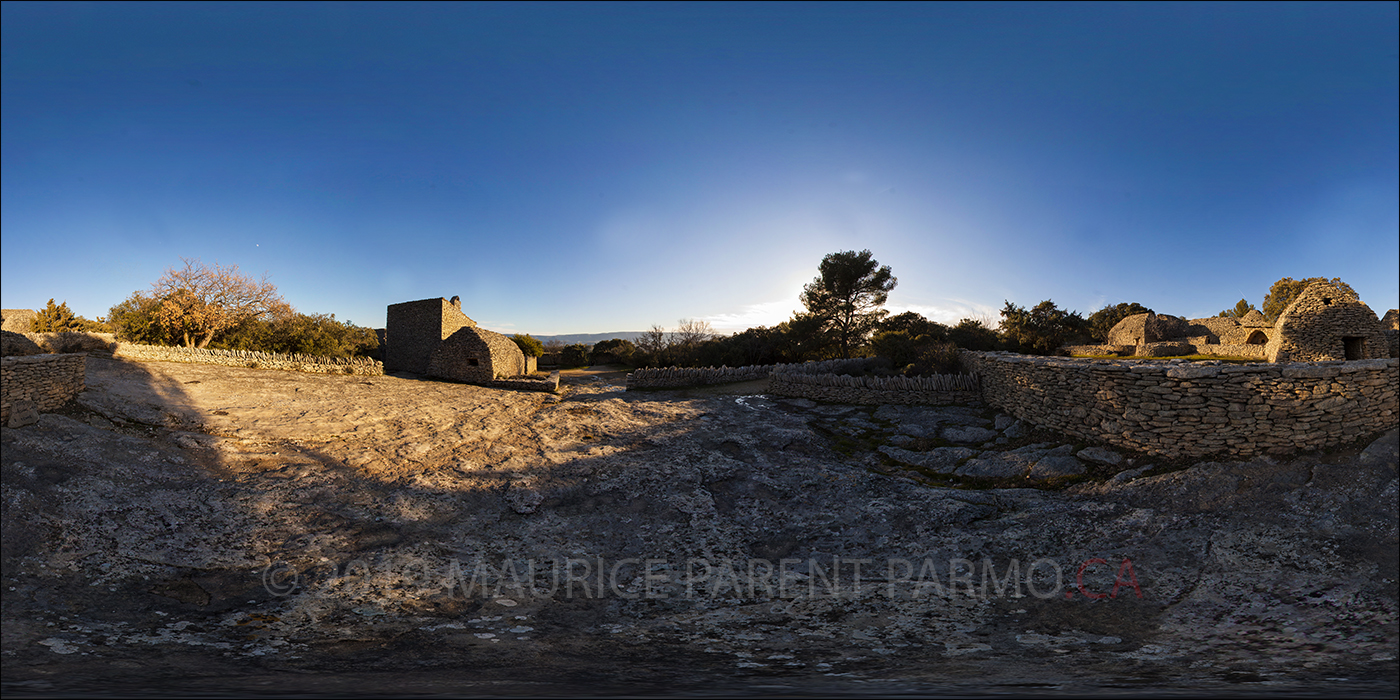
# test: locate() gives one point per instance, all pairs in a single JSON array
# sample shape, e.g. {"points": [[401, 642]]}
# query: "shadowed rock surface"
{"points": [[195, 529]]}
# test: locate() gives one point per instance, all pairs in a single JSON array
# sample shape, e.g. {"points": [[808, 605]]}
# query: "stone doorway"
{"points": [[1354, 348]]}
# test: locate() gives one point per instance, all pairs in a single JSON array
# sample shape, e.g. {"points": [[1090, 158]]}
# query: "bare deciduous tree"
{"points": [[198, 301], [692, 332], [653, 342]]}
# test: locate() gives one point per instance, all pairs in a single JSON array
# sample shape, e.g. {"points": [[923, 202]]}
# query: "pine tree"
{"points": [[848, 296], [55, 319]]}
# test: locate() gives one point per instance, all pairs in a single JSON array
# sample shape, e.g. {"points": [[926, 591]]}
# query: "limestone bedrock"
{"points": [[224, 530]]}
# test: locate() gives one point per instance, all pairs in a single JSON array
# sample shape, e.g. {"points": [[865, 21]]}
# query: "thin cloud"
{"points": [[766, 314], [951, 312]]}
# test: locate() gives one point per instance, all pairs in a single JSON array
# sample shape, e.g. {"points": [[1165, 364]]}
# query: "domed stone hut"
{"points": [[476, 355], [1254, 319], [1132, 330], [1255, 328], [434, 338], [17, 320], [1145, 328], [1327, 322], [1390, 325]]}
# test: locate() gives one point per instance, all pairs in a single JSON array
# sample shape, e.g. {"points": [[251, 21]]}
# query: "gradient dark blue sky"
{"points": [[596, 167]]}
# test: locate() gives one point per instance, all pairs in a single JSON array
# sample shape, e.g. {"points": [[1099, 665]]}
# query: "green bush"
{"points": [[576, 355], [916, 356], [137, 320], [1042, 329], [306, 334], [972, 334], [614, 350], [529, 345]]}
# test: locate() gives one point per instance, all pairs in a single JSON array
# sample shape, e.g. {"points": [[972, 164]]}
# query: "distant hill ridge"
{"points": [[589, 338]]}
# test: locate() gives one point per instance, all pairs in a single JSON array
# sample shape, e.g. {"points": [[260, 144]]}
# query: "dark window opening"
{"points": [[1326, 301], [472, 361], [1257, 338], [1355, 348]]}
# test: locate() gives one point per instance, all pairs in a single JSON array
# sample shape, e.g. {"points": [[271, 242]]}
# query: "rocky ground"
{"points": [[198, 529]]}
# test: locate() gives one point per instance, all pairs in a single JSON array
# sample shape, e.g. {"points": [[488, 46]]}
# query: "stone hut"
{"points": [[1254, 319], [1143, 329], [476, 355], [17, 320], [1221, 330], [433, 337], [1390, 325], [1212, 331], [1327, 322], [1255, 329], [1138, 329]]}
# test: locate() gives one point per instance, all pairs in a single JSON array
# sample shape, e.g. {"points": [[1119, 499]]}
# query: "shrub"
{"points": [[136, 320], [916, 356], [529, 345], [972, 334], [576, 355], [306, 334], [614, 350]]}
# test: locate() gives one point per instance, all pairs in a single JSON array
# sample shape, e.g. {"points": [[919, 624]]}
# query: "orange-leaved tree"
{"points": [[199, 301]]}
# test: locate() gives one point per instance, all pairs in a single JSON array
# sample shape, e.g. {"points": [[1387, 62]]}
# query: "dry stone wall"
{"points": [[74, 341], [1194, 409], [1164, 349], [248, 358], [16, 344], [934, 390], [675, 377], [1215, 330], [824, 381], [45, 381], [478, 356], [1099, 349], [1251, 351], [551, 384]]}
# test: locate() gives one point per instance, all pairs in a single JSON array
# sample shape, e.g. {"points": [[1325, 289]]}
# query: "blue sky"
{"points": [[584, 168]]}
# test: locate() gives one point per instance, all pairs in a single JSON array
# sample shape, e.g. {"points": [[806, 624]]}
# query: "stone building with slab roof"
{"points": [[432, 337]]}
